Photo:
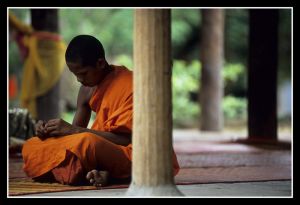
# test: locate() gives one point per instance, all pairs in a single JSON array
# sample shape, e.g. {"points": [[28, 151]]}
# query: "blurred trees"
{"points": [[212, 58], [113, 27]]}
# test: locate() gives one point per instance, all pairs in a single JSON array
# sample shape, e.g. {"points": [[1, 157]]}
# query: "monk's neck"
{"points": [[106, 71]]}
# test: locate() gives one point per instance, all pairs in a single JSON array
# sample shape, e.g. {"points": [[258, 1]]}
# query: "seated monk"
{"points": [[73, 154]]}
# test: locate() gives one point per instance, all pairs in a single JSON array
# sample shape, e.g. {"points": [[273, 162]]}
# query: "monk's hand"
{"points": [[40, 129], [59, 127]]}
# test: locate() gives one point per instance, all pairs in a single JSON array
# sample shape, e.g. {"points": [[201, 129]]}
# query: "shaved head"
{"points": [[84, 50]]}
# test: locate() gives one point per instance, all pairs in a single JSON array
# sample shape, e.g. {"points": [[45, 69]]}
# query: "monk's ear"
{"points": [[101, 63]]}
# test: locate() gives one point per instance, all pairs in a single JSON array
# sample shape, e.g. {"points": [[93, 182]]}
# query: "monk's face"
{"points": [[88, 75]]}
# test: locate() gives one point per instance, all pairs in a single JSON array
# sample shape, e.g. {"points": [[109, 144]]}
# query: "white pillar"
{"points": [[152, 168]]}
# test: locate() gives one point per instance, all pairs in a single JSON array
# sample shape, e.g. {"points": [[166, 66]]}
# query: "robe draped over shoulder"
{"points": [[112, 101]]}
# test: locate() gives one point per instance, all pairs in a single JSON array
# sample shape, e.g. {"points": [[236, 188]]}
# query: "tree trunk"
{"points": [[262, 74], [152, 169], [211, 56], [48, 104]]}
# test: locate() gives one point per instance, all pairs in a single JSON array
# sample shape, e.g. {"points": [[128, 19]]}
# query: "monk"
{"points": [[73, 154]]}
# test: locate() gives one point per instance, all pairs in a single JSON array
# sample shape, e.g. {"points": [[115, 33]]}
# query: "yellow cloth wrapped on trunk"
{"points": [[43, 65]]}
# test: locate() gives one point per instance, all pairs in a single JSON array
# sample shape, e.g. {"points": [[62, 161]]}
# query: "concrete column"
{"points": [[152, 168]]}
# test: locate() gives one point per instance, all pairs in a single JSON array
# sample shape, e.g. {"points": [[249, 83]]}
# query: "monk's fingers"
{"points": [[51, 128], [54, 133], [42, 128], [39, 134], [40, 122], [39, 125], [51, 123], [53, 120], [40, 131]]}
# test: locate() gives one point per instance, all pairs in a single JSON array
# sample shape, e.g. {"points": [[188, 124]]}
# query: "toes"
{"points": [[102, 178], [98, 185], [92, 181], [104, 174], [95, 172], [91, 174], [97, 178]]}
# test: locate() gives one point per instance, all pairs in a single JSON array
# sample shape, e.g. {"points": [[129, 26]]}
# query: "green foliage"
{"points": [[231, 72], [183, 23], [124, 60], [23, 14], [113, 27], [69, 116], [236, 35], [185, 79], [284, 46], [235, 79], [15, 64], [234, 108]]}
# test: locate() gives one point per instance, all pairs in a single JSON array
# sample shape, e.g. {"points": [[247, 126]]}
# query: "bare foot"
{"points": [[97, 178]]}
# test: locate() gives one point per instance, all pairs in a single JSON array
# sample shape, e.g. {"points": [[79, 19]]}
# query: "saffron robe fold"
{"points": [[71, 157]]}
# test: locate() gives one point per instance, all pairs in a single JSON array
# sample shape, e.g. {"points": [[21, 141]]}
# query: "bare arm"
{"points": [[116, 138], [57, 127], [83, 115], [83, 111]]}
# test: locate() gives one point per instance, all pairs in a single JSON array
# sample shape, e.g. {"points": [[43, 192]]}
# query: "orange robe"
{"points": [[69, 158]]}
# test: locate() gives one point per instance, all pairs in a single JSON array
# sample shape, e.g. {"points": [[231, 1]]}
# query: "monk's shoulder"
{"points": [[125, 74], [85, 93]]}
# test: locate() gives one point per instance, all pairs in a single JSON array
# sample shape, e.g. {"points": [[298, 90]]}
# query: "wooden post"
{"points": [[152, 168], [211, 57], [48, 104], [262, 74]]}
